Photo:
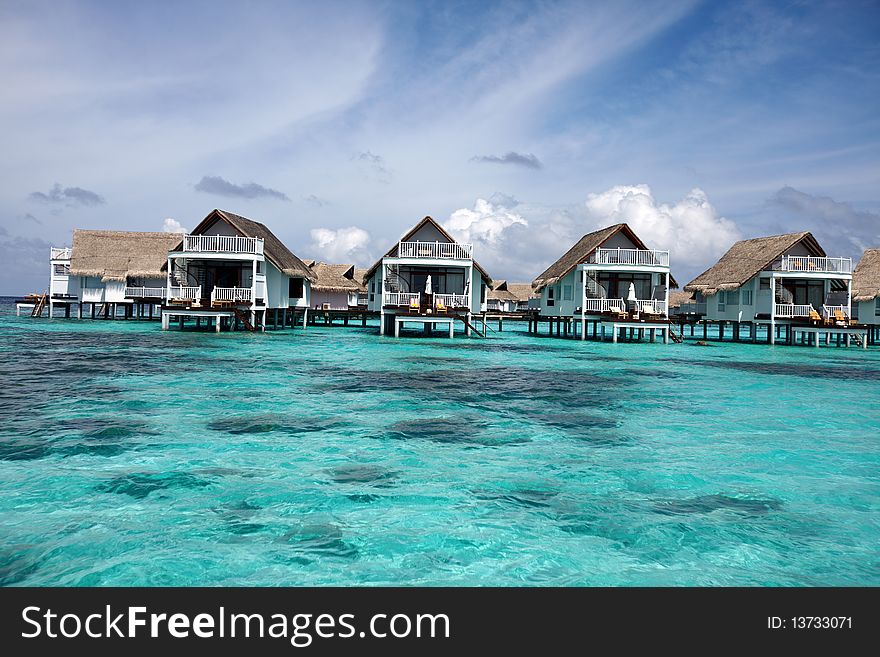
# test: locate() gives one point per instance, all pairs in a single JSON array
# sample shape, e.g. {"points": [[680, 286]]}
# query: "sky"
{"points": [[518, 126]]}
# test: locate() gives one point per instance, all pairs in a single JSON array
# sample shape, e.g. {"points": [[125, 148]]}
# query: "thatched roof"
{"points": [[273, 248], [866, 276], [115, 255], [678, 297], [747, 258], [499, 291], [334, 278], [360, 275], [392, 252], [522, 291], [580, 253]]}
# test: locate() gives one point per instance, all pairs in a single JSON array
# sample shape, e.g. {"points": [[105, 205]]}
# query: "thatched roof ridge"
{"points": [[581, 251], [360, 275], [747, 258], [114, 255], [499, 291], [678, 297], [273, 248], [866, 276], [412, 231], [335, 278]]}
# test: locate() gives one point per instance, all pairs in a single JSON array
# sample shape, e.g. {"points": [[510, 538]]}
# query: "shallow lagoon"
{"points": [[132, 456]]}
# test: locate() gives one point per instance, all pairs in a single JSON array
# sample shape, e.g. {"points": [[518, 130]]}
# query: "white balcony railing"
{"points": [[222, 244], [444, 250], [637, 257], [793, 310], [146, 292], [692, 308], [815, 265], [184, 292], [231, 294], [399, 298], [452, 300], [60, 253], [604, 306], [828, 312], [92, 294], [651, 306]]}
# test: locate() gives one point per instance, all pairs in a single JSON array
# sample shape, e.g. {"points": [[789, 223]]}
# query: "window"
{"points": [[733, 298], [877, 307], [721, 305], [550, 295], [259, 266], [765, 283], [296, 288], [483, 293], [61, 270], [747, 297], [566, 292]]}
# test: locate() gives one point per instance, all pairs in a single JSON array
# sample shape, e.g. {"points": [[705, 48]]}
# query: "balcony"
{"points": [[790, 310], [405, 299], [695, 308], [59, 253], [146, 292], [814, 265], [436, 250], [604, 306], [634, 257], [182, 292], [231, 295], [222, 244]]}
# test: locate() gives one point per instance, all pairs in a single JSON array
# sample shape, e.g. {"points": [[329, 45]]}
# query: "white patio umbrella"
{"points": [[428, 289], [632, 293]]}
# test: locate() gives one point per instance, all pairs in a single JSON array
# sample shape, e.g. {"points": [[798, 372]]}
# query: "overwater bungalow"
{"points": [[782, 282], [336, 287], [231, 269], [109, 271], [609, 280], [427, 277], [507, 297], [866, 292]]}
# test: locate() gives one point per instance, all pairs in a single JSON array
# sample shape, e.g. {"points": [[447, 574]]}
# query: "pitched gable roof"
{"points": [[866, 276], [273, 248], [747, 258], [579, 253], [392, 252], [115, 255]]}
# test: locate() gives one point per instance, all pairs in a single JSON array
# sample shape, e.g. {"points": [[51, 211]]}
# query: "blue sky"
{"points": [[520, 126]]}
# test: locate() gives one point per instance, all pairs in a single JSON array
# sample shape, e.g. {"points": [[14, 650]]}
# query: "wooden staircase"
{"points": [[471, 327], [40, 305], [675, 336], [243, 318]]}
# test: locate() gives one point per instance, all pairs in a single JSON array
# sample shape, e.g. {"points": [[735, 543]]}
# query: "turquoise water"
{"points": [[132, 456]]}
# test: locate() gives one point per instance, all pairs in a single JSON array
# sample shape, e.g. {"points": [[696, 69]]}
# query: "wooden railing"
{"points": [[637, 257], [233, 294], [816, 265], [793, 310], [184, 292], [151, 292], [450, 250], [222, 244], [604, 305], [828, 311], [59, 253]]}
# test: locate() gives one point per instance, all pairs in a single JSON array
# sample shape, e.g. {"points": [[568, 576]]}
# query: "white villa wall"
{"points": [[428, 233], [619, 241], [477, 305], [221, 228], [869, 312], [337, 300]]}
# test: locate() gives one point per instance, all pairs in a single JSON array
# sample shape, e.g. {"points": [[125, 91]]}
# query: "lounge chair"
{"points": [[414, 306], [441, 307], [840, 318], [814, 316], [618, 312], [648, 309]]}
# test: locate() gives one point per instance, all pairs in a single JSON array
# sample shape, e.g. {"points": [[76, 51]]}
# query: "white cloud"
{"points": [[341, 245], [518, 241], [690, 229], [172, 226]]}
